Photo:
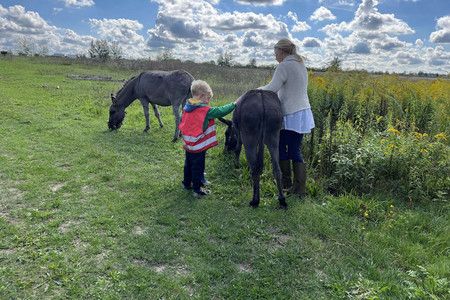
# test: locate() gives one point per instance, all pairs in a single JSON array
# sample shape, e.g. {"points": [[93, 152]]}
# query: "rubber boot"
{"points": [[298, 186], [286, 181]]}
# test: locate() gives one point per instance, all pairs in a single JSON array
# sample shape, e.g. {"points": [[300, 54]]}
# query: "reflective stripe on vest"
{"points": [[203, 141]]}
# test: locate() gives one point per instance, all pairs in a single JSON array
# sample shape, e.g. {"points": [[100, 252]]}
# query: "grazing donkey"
{"points": [[257, 120], [155, 88]]}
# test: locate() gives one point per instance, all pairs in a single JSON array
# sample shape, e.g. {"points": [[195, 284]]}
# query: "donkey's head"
{"points": [[116, 114], [231, 139]]}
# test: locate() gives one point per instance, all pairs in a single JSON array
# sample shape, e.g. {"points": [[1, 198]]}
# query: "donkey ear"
{"points": [[225, 121], [113, 99]]}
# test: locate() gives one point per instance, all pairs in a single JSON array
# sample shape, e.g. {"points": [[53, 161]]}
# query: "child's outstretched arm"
{"points": [[220, 111]]}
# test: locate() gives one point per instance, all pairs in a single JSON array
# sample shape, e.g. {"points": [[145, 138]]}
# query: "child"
{"points": [[199, 133]]}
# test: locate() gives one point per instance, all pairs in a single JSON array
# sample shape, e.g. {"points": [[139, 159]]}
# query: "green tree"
{"points": [[25, 46], [252, 63], [99, 49], [164, 55], [225, 59], [115, 50], [43, 50], [334, 65]]}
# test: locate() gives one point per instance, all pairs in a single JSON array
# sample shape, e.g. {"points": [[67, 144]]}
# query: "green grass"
{"points": [[86, 213]]}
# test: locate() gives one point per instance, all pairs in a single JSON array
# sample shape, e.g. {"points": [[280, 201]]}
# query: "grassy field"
{"points": [[86, 213]]}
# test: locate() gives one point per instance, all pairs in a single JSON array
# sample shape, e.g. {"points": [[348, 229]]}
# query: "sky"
{"points": [[374, 35]]}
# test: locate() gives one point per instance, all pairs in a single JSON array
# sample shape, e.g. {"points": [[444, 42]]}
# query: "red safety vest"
{"points": [[194, 138]]}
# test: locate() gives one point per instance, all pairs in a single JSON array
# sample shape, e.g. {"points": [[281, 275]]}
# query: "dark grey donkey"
{"points": [[155, 88], [257, 120]]}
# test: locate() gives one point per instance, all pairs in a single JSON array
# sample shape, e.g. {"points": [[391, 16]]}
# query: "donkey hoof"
{"points": [[254, 203], [145, 130], [283, 204]]}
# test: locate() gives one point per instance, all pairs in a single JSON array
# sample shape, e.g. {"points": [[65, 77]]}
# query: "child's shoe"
{"points": [[186, 188], [204, 181], [201, 192]]}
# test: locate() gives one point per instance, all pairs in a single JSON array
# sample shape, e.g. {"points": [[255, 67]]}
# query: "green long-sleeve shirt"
{"points": [[217, 112]]}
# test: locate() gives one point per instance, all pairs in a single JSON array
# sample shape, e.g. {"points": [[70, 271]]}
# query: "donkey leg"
{"points": [[176, 113], [256, 178], [157, 115], [237, 153], [145, 103], [273, 150], [252, 159]]}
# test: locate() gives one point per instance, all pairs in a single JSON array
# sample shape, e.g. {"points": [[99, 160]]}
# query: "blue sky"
{"points": [[376, 35]]}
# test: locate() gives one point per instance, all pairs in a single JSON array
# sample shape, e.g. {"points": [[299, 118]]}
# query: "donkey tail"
{"points": [[262, 131]]}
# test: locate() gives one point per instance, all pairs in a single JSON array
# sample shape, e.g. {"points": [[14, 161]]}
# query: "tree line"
{"points": [[104, 50]]}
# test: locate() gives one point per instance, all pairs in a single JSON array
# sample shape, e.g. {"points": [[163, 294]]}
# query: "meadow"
{"points": [[86, 213]]}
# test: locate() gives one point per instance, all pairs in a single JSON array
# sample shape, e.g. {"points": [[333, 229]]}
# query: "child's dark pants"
{"points": [[194, 166]]}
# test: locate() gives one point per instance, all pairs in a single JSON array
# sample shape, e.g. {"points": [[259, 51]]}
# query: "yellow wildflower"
{"points": [[394, 131], [423, 150], [392, 205], [441, 135], [364, 228], [366, 214], [418, 135]]}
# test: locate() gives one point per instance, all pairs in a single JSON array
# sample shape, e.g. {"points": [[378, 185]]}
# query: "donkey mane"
{"points": [[124, 85]]}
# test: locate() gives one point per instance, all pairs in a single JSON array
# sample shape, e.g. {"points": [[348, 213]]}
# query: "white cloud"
{"points": [[311, 42], [25, 22], [120, 30], [18, 24], [388, 43], [241, 21], [78, 3], [3, 11], [202, 26], [409, 58], [442, 35], [299, 25], [322, 14], [371, 32], [368, 18], [261, 2], [360, 48], [438, 58], [337, 3]]}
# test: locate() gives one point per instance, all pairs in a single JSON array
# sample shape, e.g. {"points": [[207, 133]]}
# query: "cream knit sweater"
{"points": [[290, 82]]}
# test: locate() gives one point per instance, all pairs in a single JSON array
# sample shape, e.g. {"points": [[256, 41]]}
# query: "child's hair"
{"points": [[199, 86]]}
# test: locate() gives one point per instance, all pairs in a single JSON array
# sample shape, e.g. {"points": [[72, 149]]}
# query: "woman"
{"points": [[290, 82]]}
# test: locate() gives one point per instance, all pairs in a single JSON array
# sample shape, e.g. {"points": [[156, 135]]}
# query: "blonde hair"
{"points": [[199, 86], [288, 47]]}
